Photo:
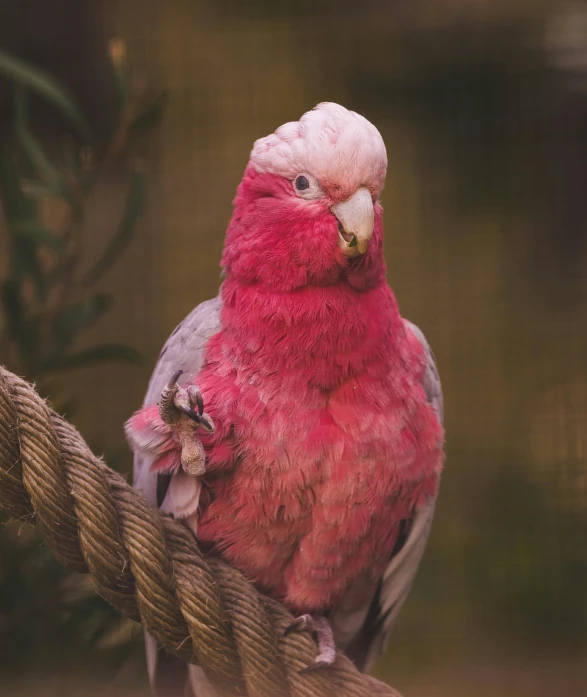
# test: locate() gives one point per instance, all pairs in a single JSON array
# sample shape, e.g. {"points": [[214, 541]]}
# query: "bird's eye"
{"points": [[302, 183], [306, 186]]}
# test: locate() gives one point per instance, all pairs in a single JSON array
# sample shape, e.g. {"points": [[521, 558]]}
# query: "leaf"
{"points": [[43, 83], [16, 204], [118, 59], [117, 634], [73, 320], [73, 159], [20, 210], [37, 190], [151, 116], [34, 150], [34, 232], [26, 261], [99, 354], [122, 237], [23, 331]]}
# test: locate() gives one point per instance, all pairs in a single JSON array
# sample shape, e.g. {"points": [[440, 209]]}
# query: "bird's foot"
{"points": [[176, 400], [320, 626], [182, 409]]}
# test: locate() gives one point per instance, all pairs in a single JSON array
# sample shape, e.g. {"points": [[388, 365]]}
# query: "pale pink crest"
{"points": [[331, 143]]}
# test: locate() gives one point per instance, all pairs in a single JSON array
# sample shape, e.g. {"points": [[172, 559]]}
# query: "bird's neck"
{"points": [[326, 334]]}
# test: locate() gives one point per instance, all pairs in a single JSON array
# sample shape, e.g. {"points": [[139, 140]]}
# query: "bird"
{"points": [[295, 421]]}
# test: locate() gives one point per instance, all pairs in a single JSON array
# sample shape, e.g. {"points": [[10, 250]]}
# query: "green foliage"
{"points": [[124, 233], [35, 79], [44, 610], [47, 300]]}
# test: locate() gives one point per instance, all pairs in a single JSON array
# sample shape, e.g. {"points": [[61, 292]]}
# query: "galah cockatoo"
{"points": [[315, 466]]}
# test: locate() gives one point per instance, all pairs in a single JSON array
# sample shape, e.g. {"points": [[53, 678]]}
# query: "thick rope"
{"points": [[148, 566]]}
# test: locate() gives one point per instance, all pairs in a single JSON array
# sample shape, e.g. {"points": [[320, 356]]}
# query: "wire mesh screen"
{"points": [[483, 114]]}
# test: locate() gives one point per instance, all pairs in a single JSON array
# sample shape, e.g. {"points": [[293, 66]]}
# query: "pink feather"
{"points": [[148, 435]]}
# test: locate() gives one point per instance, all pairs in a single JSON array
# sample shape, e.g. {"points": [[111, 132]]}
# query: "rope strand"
{"points": [[148, 566]]}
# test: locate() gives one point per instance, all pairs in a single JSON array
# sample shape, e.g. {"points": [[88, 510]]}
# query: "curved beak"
{"points": [[355, 222]]}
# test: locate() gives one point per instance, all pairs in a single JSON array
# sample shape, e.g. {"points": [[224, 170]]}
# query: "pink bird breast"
{"points": [[325, 439]]}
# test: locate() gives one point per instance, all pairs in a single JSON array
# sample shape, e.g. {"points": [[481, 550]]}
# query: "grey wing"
{"points": [[432, 385], [184, 350], [363, 632]]}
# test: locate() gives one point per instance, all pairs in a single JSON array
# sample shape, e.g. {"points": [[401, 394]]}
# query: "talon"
{"points": [[167, 400], [188, 411], [175, 378], [196, 397], [315, 666], [299, 624]]}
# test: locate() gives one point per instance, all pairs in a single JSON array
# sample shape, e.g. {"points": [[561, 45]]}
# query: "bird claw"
{"points": [[300, 624], [174, 402], [189, 412], [196, 398], [201, 419], [326, 647], [315, 666], [175, 398]]}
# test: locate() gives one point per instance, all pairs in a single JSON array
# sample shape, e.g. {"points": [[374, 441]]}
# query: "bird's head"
{"points": [[307, 211]]}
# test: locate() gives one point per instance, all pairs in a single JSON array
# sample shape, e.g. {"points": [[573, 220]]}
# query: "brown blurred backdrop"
{"points": [[483, 107]]}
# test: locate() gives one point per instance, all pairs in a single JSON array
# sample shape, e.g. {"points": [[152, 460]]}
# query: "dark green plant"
{"points": [[48, 298]]}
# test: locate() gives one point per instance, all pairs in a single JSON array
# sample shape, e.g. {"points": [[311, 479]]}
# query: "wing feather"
{"points": [[183, 350], [364, 632]]}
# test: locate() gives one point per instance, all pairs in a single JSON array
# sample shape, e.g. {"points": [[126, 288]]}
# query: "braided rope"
{"points": [[148, 566]]}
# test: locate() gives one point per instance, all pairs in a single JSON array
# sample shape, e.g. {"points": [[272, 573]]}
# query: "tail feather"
{"points": [[168, 675]]}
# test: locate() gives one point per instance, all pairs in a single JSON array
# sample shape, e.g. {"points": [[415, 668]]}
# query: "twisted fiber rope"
{"points": [[148, 566]]}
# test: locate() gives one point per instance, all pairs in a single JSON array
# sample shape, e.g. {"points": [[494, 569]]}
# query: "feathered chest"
{"points": [[311, 388], [324, 440]]}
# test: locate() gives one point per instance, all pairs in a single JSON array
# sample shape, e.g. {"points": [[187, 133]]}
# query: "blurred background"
{"points": [[125, 128]]}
